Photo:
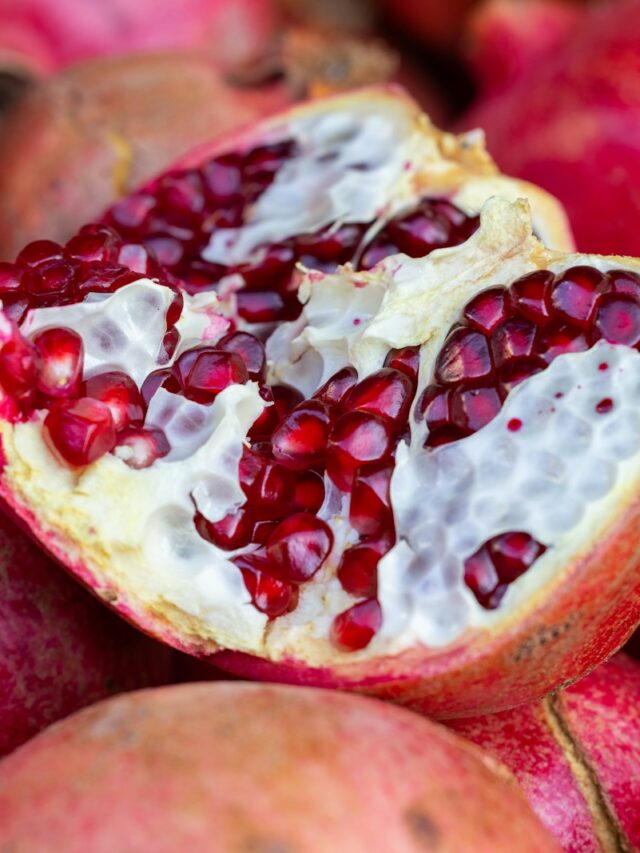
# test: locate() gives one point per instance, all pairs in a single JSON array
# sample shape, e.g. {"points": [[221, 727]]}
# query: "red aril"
{"points": [[298, 547], [81, 431], [120, 393]]}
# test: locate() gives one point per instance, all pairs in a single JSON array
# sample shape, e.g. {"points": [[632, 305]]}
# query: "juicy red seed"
{"points": [[530, 296], [331, 244], [445, 435], [377, 251], [62, 355], [250, 350], [156, 379], [271, 492], [300, 441], [308, 493], [40, 252], [473, 408], [167, 250], [358, 571], [174, 311], [181, 192], [574, 295], [274, 263], [513, 553], [299, 546], [406, 359], [435, 406], [229, 533], [370, 505], [120, 393], [514, 372], [250, 466], [286, 398], [618, 319], [143, 446], [559, 338], [51, 278], [213, 371], [487, 309], [222, 179], [19, 368], [356, 438], [482, 579], [132, 212], [10, 279], [81, 431], [95, 278], [265, 160], [260, 307], [465, 355], [604, 406], [15, 307], [514, 338], [138, 258], [420, 232], [386, 393], [353, 629], [92, 248], [270, 595], [262, 530], [335, 389], [621, 281]]}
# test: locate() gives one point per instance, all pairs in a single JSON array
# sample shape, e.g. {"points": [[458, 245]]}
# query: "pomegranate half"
{"points": [[576, 755], [236, 767], [284, 509]]}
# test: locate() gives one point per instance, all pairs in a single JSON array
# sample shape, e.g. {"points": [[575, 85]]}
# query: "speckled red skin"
{"points": [[601, 717], [238, 767], [59, 649]]}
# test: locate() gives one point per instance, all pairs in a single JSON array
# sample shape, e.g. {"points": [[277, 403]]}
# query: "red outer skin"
{"points": [[105, 126], [570, 124], [59, 649], [600, 716], [238, 767]]}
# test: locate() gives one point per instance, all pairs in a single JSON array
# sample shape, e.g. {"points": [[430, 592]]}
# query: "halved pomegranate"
{"points": [[226, 504]]}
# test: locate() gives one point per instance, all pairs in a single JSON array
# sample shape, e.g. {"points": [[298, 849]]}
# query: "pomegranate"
{"points": [[576, 755], [261, 767], [569, 120], [59, 649], [434, 23], [218, 494]]}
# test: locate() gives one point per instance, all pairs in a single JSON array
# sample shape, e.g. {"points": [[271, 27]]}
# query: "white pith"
{"points": [[134, 529]]}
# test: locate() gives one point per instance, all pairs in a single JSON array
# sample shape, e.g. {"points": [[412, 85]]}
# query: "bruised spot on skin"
{"points": [[422, 828]]}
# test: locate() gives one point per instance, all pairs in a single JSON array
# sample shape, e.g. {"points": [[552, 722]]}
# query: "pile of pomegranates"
{"points": [[332, 402]]}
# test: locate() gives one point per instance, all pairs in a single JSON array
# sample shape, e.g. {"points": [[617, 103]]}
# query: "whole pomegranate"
{"points": [[59, 649], [569, 120], [423, 486], [576, 755], [236, 767]]}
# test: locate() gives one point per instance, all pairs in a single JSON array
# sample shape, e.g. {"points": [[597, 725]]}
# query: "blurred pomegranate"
{"points": [[433, 22], [568, 115]]}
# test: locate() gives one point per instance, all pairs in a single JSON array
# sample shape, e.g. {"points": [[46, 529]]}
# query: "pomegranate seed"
{"points": [[332, 245], [299, 546], [358, 571], [271, 492], [445, 435], [262, 530], [181, 192], [10, 279], [15, 308], [604, 406], [514, 372], [353, 629], [370, 506], [515, 338], [482, 579], [406, 359], [260, 307], [574, 294], [157, 379], [131, 213], [420, 232], [618, 319], [269, 594], [308, 492], [273, 264], [40, 252], [138, 258], [285, 399], [558, 338], [473, 408], [487, 309], [19, 369], [250, 466], [377, 251], [621, 281], [140, 448], [62, 356], [300, 441], [513, 553], [386, 393], [530, 296], [209, 372], [222, 179], [168, 251], [265, 160], [103, 279], [335, 389], [231, 532], [93, 248], [81, 431], [356, 438], [120, 393], [465, 355], [250, 350], [435, 406], [50, 279]]}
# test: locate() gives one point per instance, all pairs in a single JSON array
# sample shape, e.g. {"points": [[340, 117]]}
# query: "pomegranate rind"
{"points": [[576, 755], [260, 767]]}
